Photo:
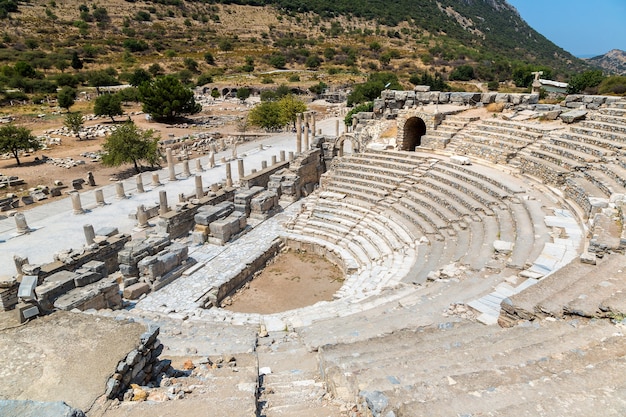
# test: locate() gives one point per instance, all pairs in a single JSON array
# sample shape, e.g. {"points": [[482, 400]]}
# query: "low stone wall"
{"points": [[262, 178], [328, 254], [87, 287], [214, 297], [575, 101], [391, 101], [179, 223], [106, 252], [138, 366]]}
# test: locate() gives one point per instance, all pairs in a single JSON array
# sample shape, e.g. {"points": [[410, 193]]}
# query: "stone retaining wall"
{"points": [[214, 297], [139, 365]]}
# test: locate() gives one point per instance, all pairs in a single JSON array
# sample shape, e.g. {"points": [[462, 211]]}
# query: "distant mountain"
{"points": [[613, 62]]}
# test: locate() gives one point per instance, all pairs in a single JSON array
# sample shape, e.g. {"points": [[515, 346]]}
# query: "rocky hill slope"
{"points": [[405, 36], [613, 62]]}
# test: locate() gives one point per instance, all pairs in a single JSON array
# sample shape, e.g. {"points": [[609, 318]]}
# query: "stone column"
{"points": [[282, 156], [212, 160], [19, 263], [170, 164], [273, 160], [312, 122], [240, 170], [199, 165], [299, 133], [139, 181], [306, 132], [212, 148], [155, 179], [76, 204], [222, 144], [186, 172], [291, 156], [229, 177], [100, 198], [337, 128], [142, 217], [21, 224], [90, 235], [263, 164], [119, 190], [199, 191], [163, 208]]}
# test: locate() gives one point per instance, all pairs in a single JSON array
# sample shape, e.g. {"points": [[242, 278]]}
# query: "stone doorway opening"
{"points": [[414, 129], [346, 145]]}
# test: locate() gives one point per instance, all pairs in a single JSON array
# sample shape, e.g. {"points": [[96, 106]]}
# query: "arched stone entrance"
{"points": [[414, 129], [338, 148]]}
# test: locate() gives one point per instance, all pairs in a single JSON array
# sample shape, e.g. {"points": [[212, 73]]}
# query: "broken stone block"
{"points": [[502, 246], [460, 160], [86, 278], [588, 258], [133, 292], [573, 116]]}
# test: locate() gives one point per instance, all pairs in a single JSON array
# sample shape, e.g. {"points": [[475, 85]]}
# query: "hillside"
{"points": [[613, 62], [341, 40]]}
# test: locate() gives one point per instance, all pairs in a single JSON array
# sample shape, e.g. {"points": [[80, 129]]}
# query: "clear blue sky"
{"points": [[582, 27]]}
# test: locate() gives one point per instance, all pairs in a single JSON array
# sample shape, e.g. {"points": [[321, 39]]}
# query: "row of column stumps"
{"points": [[142, 216]]}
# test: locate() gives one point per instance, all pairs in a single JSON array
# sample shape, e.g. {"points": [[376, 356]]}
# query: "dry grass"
{"points": [[495, 107]]}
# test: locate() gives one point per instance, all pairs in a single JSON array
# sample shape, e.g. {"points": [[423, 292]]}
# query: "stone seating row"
{"points": [[606, 183], [381, 174], [613, 136], [605, 123], [398, 163], [535, 130], [581, 146], [585, 193], [556, 156], [385, 374], [490, 187]]}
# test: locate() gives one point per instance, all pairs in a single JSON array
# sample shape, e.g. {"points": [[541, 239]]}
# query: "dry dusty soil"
{"points": [[292, 280]]}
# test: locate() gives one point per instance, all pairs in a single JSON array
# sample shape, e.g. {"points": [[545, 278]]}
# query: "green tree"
{"points": [[128, 144], [74, 122], [191, 64], [102, 78], [108, 105], [290, 106], [249, 65], [243, 93], [76, 63], [364, 107], [66, 97], [372, 88], [266, 115], [165, 98], [209, 58], [14, 139], [462, 73], [588, 79], [139, 76]]}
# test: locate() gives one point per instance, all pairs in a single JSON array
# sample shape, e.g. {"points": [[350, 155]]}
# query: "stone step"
{"points": [[587, 148]]}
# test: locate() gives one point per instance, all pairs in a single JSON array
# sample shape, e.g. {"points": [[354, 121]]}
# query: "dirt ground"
{"points": [[34, 172], [294, 279]]}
